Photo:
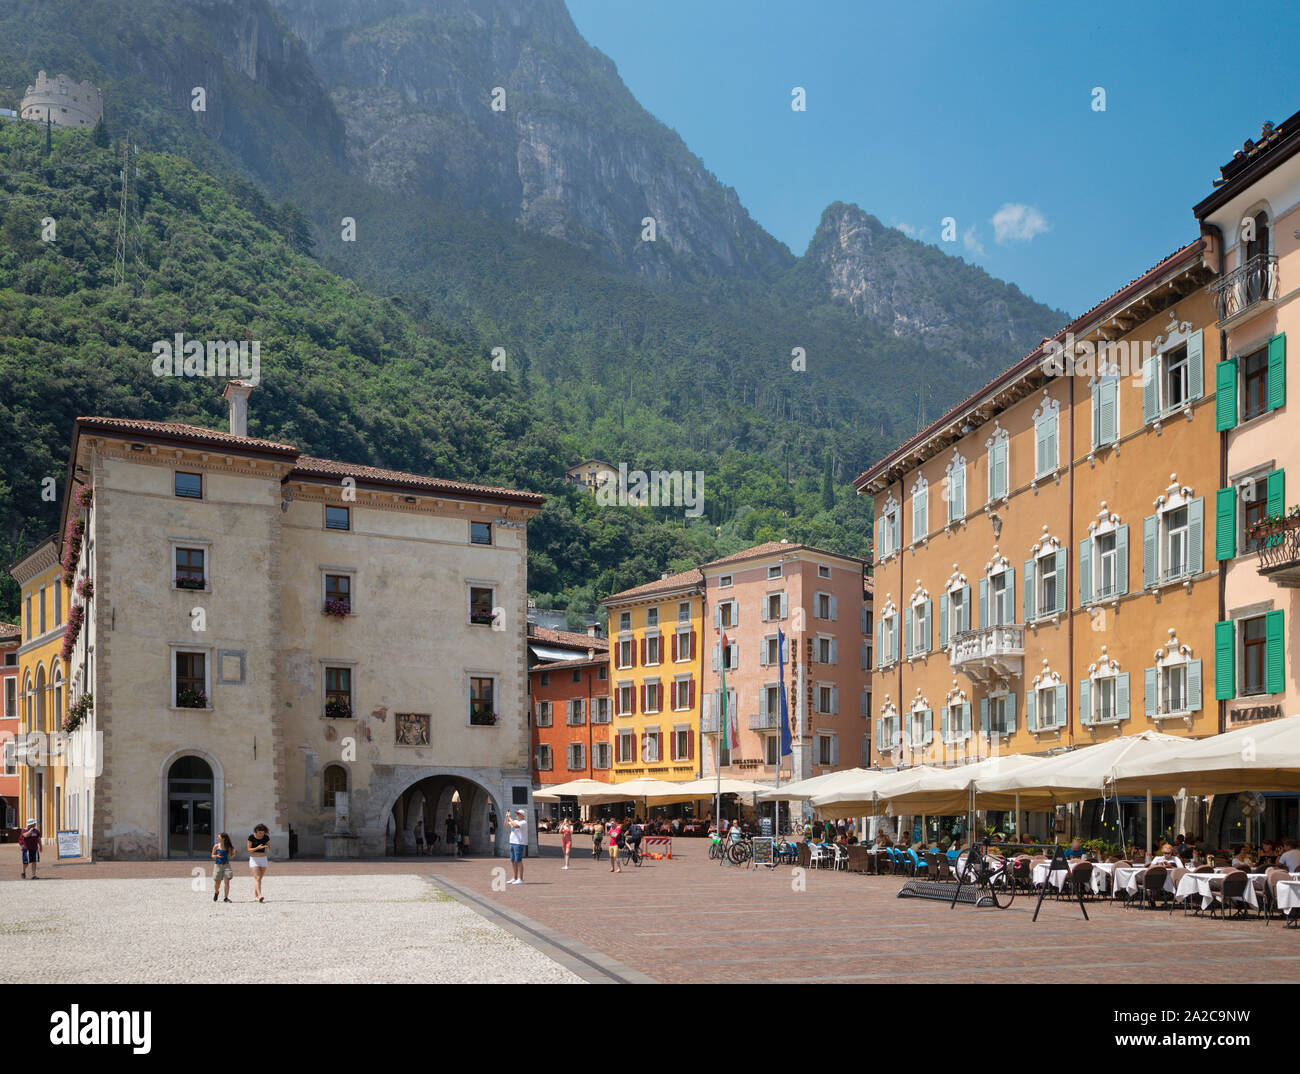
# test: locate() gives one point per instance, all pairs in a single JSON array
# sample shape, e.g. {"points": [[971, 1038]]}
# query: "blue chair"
{"points": [[914, 860]]}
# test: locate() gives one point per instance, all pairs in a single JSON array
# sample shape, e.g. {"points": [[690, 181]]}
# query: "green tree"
{"points": [[828, 485]]}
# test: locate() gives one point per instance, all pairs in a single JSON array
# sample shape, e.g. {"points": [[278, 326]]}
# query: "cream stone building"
{"points": [[333, 650]]}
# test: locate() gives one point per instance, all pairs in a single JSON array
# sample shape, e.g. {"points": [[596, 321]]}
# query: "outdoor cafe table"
{"points": [[1128, 878], [1199, 883], [1288, 894], [1098, 880]]}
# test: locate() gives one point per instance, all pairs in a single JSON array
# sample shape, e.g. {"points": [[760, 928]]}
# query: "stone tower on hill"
{"points": [[63, 102]]}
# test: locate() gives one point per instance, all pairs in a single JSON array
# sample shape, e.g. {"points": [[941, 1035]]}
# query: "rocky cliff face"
{"points": [[571, 154], [914, 289]]}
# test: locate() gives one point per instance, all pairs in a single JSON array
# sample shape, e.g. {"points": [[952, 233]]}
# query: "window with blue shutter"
{"points": [[1151, 691], [943, 620], [1012, 704], [1150, 390], [1030, 586], [907, 631], [1196, 536], [1193, 686], [965, 722], [1196, 365], [1061, 556], [1121, 560], [1121, 696], [984, 717], [1031, 709], [1085, 570], [984, 603], [1061, 698], [1085, 701], [1150, 551]]}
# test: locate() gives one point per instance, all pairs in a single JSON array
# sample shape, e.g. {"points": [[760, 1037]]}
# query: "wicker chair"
{"points": [[1153, 886], [1270, 891], [1229, 890]]}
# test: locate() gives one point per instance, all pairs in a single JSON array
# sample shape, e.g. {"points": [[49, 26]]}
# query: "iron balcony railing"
{"points": [[762, 721], [1244, 287], [1278, 550]]}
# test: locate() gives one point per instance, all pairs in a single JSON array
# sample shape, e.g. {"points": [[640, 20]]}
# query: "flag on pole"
{"points": [[786, 747], [728, 725]]}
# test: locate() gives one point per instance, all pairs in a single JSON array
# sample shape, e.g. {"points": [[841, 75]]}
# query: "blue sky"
{"points": [[920, 111]]}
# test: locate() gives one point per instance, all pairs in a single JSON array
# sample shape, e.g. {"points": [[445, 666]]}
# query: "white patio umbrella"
{"points": [[802, 790], [586, 791], [1263, 757], [1066, 777], [867, 796]]}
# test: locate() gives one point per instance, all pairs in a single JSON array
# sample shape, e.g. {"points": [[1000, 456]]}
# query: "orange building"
{"points": [[570, 715], [1043, 576]]}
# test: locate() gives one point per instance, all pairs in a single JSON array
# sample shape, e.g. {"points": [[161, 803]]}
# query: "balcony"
{"points": [[1246, 290], [1279, 552], [709, 723], [763, 721], [989, 651]]}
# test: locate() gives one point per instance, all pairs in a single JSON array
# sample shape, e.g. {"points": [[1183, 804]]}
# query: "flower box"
{"points": [[85, 496], [77, 712], [191, 699], [482, 618], [482, 719], [338, 710], [1274, 525], [337, 608], [185, 581]]}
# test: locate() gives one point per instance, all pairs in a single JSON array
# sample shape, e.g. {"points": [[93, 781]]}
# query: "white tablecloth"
{"points": [[1199, 884], [1288, 894], [1097, 882], [1128, 878]]}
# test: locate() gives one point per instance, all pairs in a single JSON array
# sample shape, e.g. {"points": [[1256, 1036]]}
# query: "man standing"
{"points": [[419, 836], [453, 835], [518, 840], [30, 842]]}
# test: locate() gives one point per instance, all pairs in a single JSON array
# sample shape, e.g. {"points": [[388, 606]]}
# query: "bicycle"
{"points": [[717, 849], [739, 853], [631, 854], [991, 877]]}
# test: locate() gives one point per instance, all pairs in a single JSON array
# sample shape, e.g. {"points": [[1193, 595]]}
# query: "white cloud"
{"points": [[1017, 223], [909, 230], [971, 241]]}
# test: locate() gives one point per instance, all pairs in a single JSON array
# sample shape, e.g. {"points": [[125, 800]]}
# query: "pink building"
{"points": [[820, 601], [10, 638]]}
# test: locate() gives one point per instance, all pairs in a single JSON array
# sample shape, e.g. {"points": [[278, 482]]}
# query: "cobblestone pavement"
{"points": [[692, 920], [312, 929]]}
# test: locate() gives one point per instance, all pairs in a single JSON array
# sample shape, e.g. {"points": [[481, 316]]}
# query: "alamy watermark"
{"points": [[208, 358], [1086, 359], [658, 488]]}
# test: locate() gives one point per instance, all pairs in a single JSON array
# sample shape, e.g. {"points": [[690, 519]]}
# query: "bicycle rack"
{"points": [[933, 889]]}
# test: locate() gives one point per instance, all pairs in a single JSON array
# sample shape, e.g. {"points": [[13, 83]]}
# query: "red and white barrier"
{"points": [[652, 845]]}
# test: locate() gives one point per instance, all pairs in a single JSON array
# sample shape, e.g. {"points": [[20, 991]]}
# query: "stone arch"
{"points": [[395, 796], [218, 794]]}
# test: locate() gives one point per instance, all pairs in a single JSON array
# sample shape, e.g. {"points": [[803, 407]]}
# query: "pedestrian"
{"points": [[518, 840], [30, 841], [597, 834], [615, 841], [566, 839], [257, 844], [453, 835], [419, 836], [222, 850]]}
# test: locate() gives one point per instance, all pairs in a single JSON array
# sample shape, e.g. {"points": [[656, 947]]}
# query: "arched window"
{"points": [[333, 780]]}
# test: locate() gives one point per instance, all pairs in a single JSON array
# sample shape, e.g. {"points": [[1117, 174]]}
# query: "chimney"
{"points": [[532, 630], [237, 392], [593, 631]]}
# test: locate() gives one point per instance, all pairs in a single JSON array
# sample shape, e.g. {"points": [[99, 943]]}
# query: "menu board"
{"points": [[69, 843], [763, 850]]}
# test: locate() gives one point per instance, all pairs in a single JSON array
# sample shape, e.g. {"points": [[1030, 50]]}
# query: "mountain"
{"points": [[516, 233], [570, 153]]}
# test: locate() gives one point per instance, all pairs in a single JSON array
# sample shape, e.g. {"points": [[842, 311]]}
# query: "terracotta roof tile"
{"points": [[693, 577], [10, 630], [309, 467], [771, 548], [178, 430], [576, 662], [568, 639]]}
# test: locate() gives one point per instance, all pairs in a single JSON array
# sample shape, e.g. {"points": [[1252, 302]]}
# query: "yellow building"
{"points": [[655, 653], [43, 690]]}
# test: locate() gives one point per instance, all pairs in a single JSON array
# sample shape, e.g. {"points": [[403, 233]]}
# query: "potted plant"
{"points": [[338, 708], [337, 608], [481, 617], [188, 581], [86, 589], [71, 631], [189, 698], [85, 496], [78, 711]]}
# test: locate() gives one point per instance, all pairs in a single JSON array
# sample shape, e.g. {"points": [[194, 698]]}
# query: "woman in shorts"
{"points": [[566, 839], [222, 851], [257, 844], [615, 834]]}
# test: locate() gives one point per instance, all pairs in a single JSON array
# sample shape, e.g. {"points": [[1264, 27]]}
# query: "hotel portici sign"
{"points": [[1255, 714]]}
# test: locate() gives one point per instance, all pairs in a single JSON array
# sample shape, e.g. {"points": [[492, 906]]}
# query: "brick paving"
{"points": [[691, 920]]}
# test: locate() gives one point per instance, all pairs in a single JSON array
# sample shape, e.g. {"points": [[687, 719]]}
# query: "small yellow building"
{"points": [[655, 654], [43, 691]]}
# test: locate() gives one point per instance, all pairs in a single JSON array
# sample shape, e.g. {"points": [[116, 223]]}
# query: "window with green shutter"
{"points": [[1225, 523], [1276, 493], [1275, 651], [1225, 667], [1225, 395], [1277, 371]]}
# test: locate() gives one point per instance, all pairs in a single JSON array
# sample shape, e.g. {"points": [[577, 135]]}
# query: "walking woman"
{"points": [[257, 844], [222, 851], [566, 839], [597, 833], [615, 837]]}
